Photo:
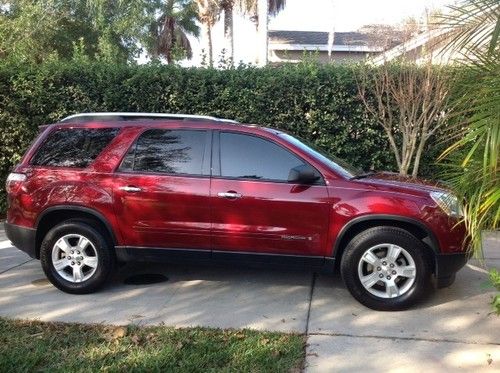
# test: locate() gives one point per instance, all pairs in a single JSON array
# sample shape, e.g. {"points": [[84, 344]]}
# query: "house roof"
{"points": [[317, 37], [318, 40], [424, 38]]}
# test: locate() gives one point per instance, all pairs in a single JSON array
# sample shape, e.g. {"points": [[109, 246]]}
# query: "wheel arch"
{"points": [[54, 215], [413, 226]]}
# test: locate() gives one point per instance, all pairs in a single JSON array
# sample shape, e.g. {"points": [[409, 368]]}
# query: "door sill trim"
{"points": [[153, 254]]}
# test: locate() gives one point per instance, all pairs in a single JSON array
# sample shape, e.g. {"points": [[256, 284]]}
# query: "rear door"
{"points": [[255, 209], [162, 190]]}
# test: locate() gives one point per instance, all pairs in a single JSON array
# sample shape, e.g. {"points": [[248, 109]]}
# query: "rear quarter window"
{"points": [[73, 147]]}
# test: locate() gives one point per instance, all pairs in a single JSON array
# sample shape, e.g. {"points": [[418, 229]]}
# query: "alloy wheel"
{"points": [[74, 258], [387, 270]]}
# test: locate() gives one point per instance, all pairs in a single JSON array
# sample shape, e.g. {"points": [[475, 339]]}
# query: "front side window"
{"points": [[73, 147], [167, 151], [250, 157]]}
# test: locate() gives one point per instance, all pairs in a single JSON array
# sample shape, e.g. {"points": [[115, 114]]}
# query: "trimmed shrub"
{"points": [[319, 103]]}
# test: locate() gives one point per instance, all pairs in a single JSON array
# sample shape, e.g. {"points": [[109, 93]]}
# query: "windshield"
{"points": [[338, 165]]}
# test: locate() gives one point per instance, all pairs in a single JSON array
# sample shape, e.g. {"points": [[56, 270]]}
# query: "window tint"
{"points": [[167, 151], [73, 147], [337, 164], [250, 157]]}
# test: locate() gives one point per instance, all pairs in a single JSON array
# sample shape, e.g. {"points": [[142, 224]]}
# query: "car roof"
{"points": [[156, 120]]}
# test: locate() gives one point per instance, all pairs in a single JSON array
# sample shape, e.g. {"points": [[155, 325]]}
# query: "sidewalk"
{"points": [[452, 330]]}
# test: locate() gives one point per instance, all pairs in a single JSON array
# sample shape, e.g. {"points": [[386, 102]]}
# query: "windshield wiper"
{"points": [[363, 175]]}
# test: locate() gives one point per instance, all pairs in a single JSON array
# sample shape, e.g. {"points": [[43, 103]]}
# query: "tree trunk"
{"points": [[210, 47], [168, 56], [229, 31], [420, 150], [169, 23], [207, 31], [262, 13], [406, 156]]}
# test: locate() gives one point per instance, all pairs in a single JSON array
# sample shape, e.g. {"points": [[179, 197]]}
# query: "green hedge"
{"points": [[316, 102]]}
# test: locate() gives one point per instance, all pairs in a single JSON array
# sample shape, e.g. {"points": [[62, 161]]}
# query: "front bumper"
{"points": [[23, 238], [449, 264]]}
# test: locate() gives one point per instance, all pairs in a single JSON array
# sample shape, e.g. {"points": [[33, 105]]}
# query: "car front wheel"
{"points": [[76, 258], [385, 268]]}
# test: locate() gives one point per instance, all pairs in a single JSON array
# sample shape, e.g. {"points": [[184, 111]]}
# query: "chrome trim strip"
{"points": [[155, 115]]}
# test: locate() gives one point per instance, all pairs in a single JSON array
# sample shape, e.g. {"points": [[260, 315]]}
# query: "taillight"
{"points": [[14, 182]]}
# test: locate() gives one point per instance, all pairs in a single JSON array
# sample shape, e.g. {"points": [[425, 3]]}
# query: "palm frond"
{"points": [[472, 25], [249, 7], [472, 163], [182, 42], [168, 32]]}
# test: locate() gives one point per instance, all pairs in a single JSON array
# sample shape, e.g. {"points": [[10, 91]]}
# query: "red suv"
{"points": [[98, 189]]}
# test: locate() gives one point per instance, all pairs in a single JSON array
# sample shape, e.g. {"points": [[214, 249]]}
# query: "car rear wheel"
{"points": [[76, 258], [385, 268]]}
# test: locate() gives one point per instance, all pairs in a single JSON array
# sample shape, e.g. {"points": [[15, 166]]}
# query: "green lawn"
{"points": [[39, 346]]}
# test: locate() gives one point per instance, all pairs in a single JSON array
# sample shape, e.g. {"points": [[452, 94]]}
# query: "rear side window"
{"points": [[73, 147], [250, 157], [167, 151]]}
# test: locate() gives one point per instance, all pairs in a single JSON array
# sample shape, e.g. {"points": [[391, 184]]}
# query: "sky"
{"points": [[317, 15]]}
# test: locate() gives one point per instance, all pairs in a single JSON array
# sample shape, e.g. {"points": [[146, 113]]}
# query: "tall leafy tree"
{"points": [[37, 30], [113, 30], [119, 25]]}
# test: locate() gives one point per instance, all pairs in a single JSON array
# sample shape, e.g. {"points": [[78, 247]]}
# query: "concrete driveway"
{"points": [[452, 330]]}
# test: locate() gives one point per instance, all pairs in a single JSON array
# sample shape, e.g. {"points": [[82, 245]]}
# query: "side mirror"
{"points": [[303, 174]]}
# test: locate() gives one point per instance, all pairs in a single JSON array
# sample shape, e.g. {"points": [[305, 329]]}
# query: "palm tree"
{"points": [[474, 160], [259, 11], [227, 6], [208, 13], [168, 33]]}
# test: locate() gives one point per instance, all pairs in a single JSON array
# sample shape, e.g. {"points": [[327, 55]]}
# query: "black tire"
{"points": [[105, 263], [371, 238]]}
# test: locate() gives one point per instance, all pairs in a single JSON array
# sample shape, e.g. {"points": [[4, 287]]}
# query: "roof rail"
{"points": [[85, 117]]}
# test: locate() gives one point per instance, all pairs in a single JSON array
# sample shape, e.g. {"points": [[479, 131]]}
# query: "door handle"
{"points": [[229, 195], [130, 189]]}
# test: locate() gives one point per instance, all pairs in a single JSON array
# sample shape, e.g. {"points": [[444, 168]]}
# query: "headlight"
{"points": [[448, 203]]}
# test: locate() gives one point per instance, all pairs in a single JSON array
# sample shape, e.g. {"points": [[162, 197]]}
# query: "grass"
{"points": [[41, 346]]}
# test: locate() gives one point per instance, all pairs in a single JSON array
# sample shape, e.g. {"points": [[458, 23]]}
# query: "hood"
{"points": [[404, 184]]}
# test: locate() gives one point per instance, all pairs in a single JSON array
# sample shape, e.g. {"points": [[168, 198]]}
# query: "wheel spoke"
{"points": [[393, 252], [64, 244], [60, 264], [370, 258], [370, 280], [90, 261], [407, 271], [82, 243], [391, 289], [77, 274]]}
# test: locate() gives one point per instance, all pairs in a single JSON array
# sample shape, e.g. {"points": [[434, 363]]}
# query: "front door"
{"points": [[255, 209], [162, 190]]}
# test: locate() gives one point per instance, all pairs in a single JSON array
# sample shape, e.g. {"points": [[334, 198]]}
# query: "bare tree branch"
{"points": [[409, 102]]}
